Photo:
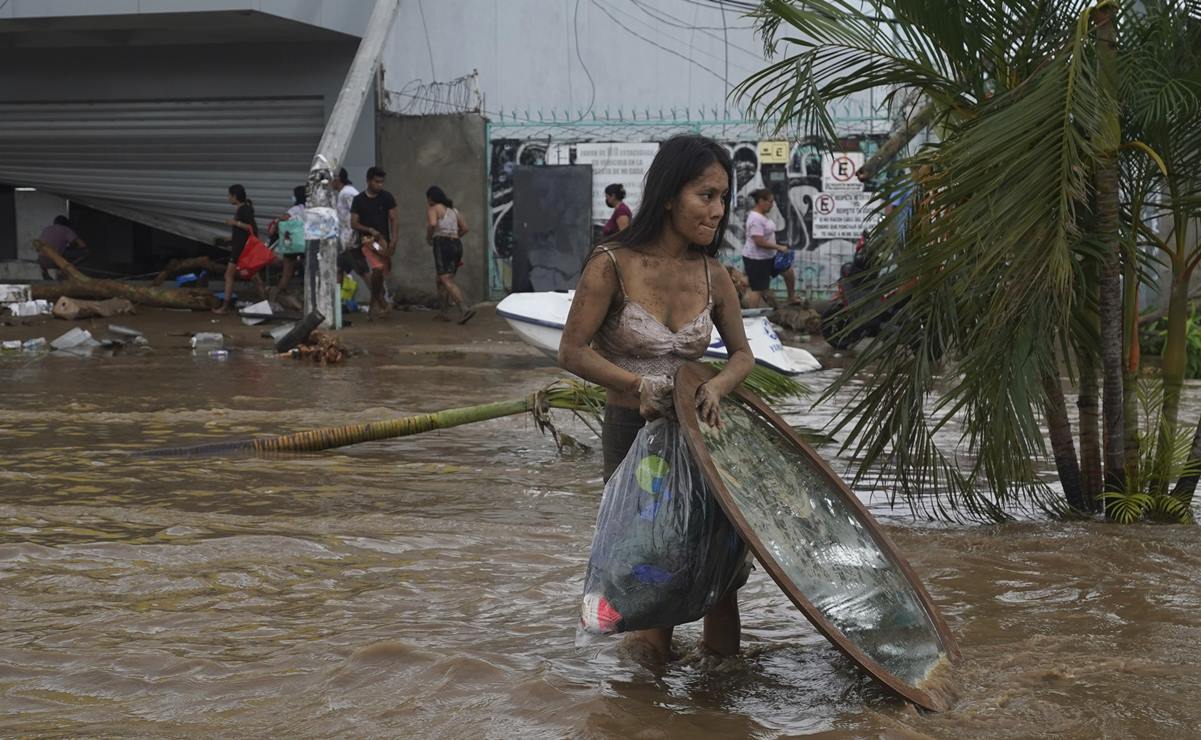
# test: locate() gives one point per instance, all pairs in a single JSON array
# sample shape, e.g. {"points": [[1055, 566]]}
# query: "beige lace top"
{"points": [[633, 339]]}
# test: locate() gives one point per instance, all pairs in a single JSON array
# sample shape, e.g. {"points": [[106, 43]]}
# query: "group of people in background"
{"points": [[368, 233], [762, 257]]}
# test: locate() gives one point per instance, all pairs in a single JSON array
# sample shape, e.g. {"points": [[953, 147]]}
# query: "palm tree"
{"points": [[585, 400], [1016, 229]]}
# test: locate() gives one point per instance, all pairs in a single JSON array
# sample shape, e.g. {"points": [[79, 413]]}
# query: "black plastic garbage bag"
{"points": [[664, 552]]}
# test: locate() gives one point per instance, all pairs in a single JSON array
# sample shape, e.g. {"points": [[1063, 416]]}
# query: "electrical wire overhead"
{"points": [[575, 27], [654, 43]]}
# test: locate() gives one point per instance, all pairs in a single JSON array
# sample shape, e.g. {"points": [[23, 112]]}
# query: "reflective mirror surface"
{"points": [[822, 543]]}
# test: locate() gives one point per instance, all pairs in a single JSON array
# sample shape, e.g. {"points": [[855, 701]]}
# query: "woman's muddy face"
{"points": [[697, 210]]}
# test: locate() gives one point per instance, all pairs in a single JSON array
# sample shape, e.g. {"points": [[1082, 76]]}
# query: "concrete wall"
{"points": [[447, 151], [563, 54], [32, 211]]}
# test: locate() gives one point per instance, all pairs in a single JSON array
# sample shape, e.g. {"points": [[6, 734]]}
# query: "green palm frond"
{"points": [[1137, 500], [956, 54], [1170, 509], [989, 273], [770, 385], [1127, 508]]}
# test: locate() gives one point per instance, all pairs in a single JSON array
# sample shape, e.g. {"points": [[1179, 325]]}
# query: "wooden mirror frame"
{"points": [[687, 380]]}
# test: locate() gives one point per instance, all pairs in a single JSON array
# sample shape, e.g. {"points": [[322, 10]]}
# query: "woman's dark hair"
{"points": [[437, 195], [299, 195], [760, 195], [239, 192], [616, 190], [344, 176], [681, 159]]}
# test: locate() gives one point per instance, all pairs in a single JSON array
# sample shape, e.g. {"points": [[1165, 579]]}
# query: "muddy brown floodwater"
{"points": [[426, 587]]}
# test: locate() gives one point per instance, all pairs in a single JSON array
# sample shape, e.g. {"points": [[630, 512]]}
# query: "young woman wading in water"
{"points": [[646, 303]]}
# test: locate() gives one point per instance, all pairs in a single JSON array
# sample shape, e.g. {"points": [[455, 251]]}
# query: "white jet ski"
{"points": [[538, 318]]}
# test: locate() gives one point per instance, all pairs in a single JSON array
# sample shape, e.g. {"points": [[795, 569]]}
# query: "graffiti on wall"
{"points": [[796, 184], [794, 176], [507, 154]]}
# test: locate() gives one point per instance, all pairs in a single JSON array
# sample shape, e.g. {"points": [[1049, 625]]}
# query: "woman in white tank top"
{"points": [[444, 231]]}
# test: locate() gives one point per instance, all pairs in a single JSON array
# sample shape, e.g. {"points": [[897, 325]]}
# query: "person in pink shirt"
{"points": [[760, 249]]}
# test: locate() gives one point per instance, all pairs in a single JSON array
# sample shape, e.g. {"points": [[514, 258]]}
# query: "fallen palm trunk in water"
{"points": [[560, 395], [568, 395], [78, 285]]}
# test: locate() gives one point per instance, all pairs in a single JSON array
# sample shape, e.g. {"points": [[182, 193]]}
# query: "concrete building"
{"points": [[147, 110], [140, 113]]}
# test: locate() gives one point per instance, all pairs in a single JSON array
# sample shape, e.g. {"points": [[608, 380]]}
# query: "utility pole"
{"points": [[321, 289]]}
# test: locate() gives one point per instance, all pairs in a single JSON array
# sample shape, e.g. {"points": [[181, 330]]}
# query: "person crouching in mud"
{"points": [[646, 303]]}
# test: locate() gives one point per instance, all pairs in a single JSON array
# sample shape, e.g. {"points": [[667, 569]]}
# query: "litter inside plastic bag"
{"points": [[664, 552]]}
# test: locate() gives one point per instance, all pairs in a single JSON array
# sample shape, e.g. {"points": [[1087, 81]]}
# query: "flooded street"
{"points": [[427, 586]]}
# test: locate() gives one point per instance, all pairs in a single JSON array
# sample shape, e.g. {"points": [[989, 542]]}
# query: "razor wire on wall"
{"points": [[794, 178]]}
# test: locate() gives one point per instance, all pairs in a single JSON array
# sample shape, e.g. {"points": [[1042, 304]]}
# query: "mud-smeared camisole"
{"points": [[635, 340]]}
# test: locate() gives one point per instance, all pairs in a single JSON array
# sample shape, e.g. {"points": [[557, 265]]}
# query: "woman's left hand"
{"points": [[707, 403]]}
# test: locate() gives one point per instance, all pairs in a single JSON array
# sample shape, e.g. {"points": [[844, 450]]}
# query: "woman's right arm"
{"points": [[595, 293]]}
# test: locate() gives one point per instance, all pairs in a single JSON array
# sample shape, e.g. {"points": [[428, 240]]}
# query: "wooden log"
{"points": [[79, 285], [182, 266]]}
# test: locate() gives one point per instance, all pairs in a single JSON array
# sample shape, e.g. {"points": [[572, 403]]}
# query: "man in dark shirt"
{"points": [[373, 217]]}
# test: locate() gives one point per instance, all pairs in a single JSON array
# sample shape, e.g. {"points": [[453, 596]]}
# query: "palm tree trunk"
{"points": [[1062, 445], [897, 141], [315, 440], [1088, 405], [1110, 298], [1130, 377], [1174, 363]]}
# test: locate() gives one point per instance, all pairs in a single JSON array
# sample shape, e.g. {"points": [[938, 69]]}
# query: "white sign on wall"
{"points": [[624, 163], [841, 210]]}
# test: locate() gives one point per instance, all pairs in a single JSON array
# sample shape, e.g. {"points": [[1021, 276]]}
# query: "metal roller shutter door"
{"points": [[166, 163]]}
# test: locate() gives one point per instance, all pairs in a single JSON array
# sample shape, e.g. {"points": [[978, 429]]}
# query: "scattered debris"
{"points": [[300, 332], [34, 345], [208, 340], [11, 293], [125, 331], [121, 336], [30, 308], [72, 309], [321, 347], [802, 319], [219, 354], [279, 332], [76, 339], [13, 344], [256, 313], [185, 268]]}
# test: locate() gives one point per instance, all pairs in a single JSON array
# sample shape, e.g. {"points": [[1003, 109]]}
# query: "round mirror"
{"points": [[817, 541]]}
